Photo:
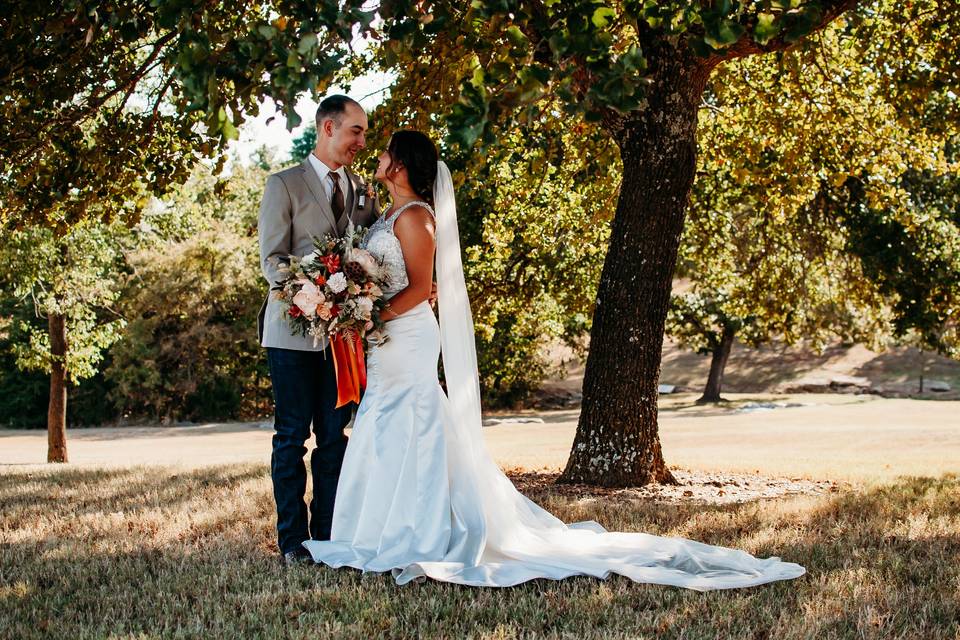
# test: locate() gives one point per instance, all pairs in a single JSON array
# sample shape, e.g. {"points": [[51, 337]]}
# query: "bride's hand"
{"points": [[388, 314], [433, 295]]}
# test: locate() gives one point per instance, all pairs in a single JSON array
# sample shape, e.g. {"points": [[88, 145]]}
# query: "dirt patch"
{"points": [[694, 486]]}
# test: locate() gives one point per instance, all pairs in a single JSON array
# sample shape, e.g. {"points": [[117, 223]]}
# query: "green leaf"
{"points": [[559, 43], [602, 17], [633, 59], [531, 89], [307, 42], [293, 120], [767, 28], [516, 37], [229, 131], [723, 34], [476, 79]]}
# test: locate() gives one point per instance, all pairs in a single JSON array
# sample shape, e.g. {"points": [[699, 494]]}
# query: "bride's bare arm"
{"points": [[415, 229]]}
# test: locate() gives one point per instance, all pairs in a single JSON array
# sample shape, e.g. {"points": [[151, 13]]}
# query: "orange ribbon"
{"points": [[349, 366]]}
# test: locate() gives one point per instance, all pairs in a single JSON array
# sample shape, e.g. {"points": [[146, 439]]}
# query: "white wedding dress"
{"points": [[419, 495]]}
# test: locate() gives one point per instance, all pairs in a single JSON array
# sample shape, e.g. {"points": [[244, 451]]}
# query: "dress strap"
{"points": [[393, 216]]}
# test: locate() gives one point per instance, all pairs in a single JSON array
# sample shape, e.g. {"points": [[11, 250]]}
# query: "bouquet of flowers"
{"points": [[335, 291]]}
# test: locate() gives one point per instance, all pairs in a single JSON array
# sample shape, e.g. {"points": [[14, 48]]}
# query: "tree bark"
{"points": [[617, 442], [57, 410], [711, 393]]}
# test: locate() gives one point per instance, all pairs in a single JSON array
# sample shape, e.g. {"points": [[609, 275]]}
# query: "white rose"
{"points": [[337, 282], [364, 308], [308, 298]]}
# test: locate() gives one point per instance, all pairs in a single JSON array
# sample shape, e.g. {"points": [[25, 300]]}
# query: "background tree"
{"points": [[68, 283], [709, 324], [759, 280], [914, 260], [766, 238], [194, 288], [304, 144]]}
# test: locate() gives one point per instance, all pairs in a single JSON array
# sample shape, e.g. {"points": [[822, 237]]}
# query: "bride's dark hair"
{"points": [[416, 152]]}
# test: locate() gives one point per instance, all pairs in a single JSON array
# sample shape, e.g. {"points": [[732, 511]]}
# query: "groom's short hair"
{"points": [[334, 107]]}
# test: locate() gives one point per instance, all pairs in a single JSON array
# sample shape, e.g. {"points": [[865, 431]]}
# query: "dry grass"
{"points": [[157, 552]]}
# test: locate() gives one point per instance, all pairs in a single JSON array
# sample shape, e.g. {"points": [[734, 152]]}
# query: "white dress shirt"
{"points": [[324, 172]]}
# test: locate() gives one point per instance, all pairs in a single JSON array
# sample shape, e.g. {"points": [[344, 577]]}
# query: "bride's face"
{"points": [[385, 173]]}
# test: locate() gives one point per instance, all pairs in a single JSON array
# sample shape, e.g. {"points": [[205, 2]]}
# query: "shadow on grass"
{"points": [[156, 431], [178, 431], [899, 370], [128, 490], [749, 370], [882, 562], [695, 409]]}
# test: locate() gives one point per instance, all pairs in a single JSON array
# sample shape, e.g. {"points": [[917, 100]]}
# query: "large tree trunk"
{"points": [[57, 411], [617, 442], [718, 363]]}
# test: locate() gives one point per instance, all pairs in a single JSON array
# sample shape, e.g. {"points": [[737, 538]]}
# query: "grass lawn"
{"points": [[150, 552]]}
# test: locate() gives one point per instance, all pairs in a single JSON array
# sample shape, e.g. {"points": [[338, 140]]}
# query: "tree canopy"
{"points": [[115, 101], [105, 103]]}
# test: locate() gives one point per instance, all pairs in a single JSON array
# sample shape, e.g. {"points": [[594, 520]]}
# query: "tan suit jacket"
{"points": [[294, 211]]}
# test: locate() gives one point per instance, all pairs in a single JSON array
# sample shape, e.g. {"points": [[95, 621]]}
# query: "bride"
{"points": [[419, 495]]}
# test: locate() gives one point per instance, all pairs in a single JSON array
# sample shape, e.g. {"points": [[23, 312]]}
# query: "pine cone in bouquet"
{"points": [[354, 272]]}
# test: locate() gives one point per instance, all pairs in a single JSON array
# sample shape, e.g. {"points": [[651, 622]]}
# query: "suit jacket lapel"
{"points": [[316, 188]]}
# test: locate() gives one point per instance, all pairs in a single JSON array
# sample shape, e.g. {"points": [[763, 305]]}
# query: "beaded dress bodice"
{"points": [[385, 247]]}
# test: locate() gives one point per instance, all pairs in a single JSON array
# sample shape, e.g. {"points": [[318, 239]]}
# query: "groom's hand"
{"points": [[433, 295]]}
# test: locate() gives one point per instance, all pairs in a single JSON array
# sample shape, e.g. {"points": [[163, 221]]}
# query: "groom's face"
{"points": [[345, 141]]}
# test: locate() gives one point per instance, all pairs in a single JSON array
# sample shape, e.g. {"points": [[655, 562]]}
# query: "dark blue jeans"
{"points": [[305, 392]]}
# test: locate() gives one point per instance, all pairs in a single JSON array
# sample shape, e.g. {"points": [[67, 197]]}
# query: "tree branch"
{"points": [[747, 46], [94, 105]]}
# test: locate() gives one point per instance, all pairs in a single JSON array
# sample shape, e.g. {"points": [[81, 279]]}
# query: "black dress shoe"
{"points": [[297, 556]]}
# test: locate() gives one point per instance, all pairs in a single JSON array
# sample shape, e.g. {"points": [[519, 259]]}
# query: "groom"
{"points": [[319, 196]]}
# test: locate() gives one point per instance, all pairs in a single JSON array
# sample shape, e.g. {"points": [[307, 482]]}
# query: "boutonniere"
{"points": [[366, 192]]}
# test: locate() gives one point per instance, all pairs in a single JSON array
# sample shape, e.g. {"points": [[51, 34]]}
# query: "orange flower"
{"points": [[332, 263]]}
